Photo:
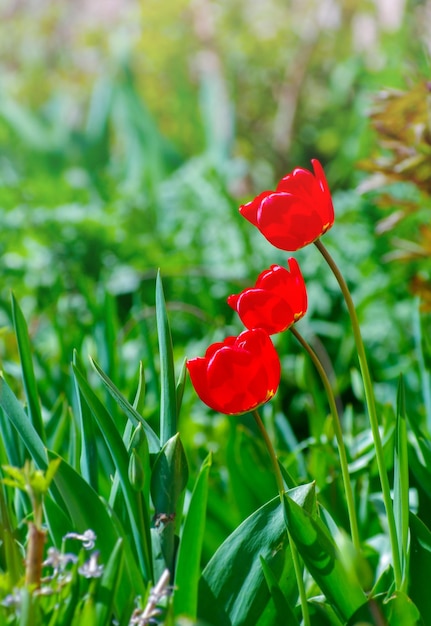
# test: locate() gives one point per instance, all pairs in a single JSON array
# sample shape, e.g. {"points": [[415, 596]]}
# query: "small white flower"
{"points": [[88, 538], [57, 560], [13, 599], [91, 568]]}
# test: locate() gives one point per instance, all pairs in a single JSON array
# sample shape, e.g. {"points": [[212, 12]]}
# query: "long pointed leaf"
{"points": [[168, 398], [120, 457], [18, 417], [168, 481], [87, 511], [420, 566], [29, 378], [401, 482], [188, 567], [130, 412], [106, 592], [89, 458]]}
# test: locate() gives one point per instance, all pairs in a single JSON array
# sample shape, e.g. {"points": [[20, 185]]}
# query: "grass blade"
{"points": [[106, 592], [168, 395], [401, 483], [130, 412], [139, 401], [114, 442], [87, 511], [88, 461], [29, 378], [168, 481], [187, 571], [26, 430]]}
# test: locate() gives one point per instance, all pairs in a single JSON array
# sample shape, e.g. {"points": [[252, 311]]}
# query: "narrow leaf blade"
{"points": [[168, 397], [18, 417], [187, 571], [130, 412], [29, 378]]}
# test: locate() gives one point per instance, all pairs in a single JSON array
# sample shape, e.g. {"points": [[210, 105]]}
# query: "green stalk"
{"points": [[281, 490], [372, 413], [339, 436]]}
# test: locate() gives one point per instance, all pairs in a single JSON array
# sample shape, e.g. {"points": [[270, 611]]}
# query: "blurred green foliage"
{"points": [[130, 132], [129, 135]]}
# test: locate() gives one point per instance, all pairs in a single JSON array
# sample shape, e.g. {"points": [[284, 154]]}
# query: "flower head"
{"points": [[238, 374], [277, 301], [88, 538], [297, 213], [91, 568]]}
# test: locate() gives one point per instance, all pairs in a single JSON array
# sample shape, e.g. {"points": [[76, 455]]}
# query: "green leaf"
{"points": [[181, 383], [168, 395], [28, 615], [87, 511], [233, 589], [29, 378], [139, 462], [12, 451], [281, 611], [397, 610], [249, 473], [420, 566], [12, 555], [139, 528], [88, 431], [26, 430], [130, 412], [321, 558], [139, 401], [106, 591], [168, 481], [188, 560], [401, 482]]}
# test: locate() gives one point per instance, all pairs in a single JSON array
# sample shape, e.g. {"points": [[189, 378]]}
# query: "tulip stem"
{"points": [[271, 451], [372, 413], [281, 491], [339, 436]]}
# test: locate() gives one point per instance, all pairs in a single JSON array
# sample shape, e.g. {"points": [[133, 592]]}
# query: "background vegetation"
{"points": [[130, 132]]}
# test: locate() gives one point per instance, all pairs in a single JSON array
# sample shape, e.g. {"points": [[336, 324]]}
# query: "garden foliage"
{"points": [[124, 499]]}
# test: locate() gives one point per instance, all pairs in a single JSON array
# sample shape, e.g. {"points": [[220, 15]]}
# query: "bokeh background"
{"points": [[131, 131]]}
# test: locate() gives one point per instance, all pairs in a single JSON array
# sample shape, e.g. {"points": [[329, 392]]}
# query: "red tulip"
{"points": [[278, 299], [297, 213], [238, 374]]}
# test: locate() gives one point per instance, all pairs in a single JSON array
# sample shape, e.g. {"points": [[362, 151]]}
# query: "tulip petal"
{"points": [[288, 222], [249, 210], [297, 213], [237, 377], [258, 308]]}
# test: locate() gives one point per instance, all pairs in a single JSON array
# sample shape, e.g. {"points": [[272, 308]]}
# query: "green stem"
{"points": [[339, 436], [271, 451], [371, 405], [281, 492]]}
